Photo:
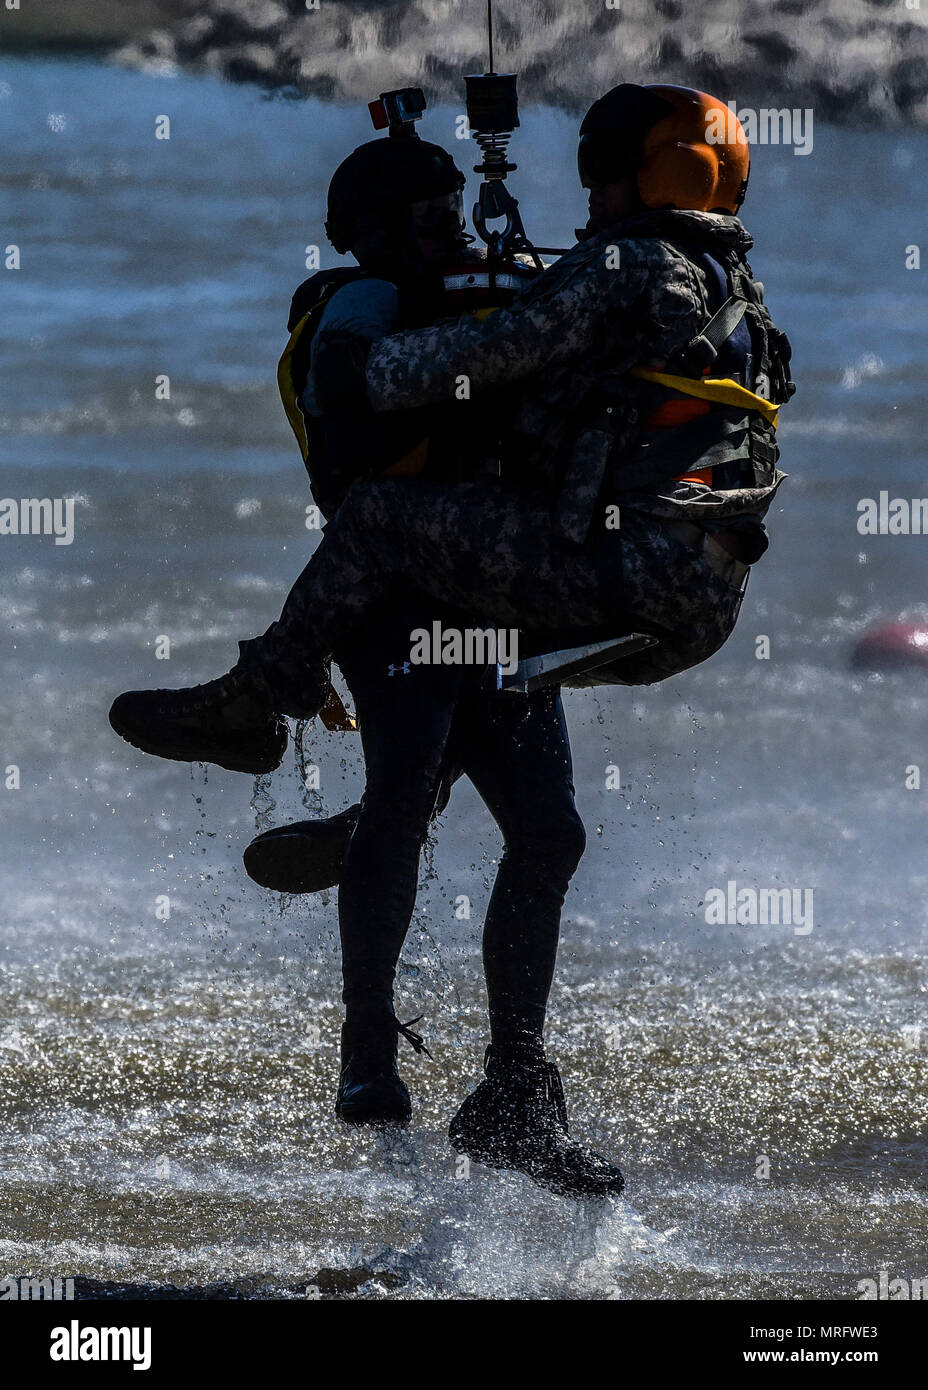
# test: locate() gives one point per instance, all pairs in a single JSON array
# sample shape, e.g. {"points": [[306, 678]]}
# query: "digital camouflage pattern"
{"points": [[536, 549], [492, 553], [627, 297]]}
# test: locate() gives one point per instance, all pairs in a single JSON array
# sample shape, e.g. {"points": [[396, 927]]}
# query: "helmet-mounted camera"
{"points": [[398, 111]]}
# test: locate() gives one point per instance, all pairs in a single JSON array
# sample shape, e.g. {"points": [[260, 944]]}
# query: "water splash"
{"points": [[262, 802]]}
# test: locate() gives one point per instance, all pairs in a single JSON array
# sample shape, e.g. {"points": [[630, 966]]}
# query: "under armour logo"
{"points": [[404, 667]]}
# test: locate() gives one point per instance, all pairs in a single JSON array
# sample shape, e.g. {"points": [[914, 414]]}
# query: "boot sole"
{"points": [[374, 1121], [297, 863], [559, 1189], [176, 752]]}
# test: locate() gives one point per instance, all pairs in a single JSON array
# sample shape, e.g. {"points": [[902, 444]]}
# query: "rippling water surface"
{"points": [[166, 1086]]}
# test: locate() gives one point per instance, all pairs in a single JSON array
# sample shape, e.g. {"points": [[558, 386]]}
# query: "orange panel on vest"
{"points": [[702, 475], [676, 412], [410, 464]]}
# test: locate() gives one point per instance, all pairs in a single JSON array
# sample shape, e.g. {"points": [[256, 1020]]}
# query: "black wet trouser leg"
{"points": [[516, 751], [405, 714]]}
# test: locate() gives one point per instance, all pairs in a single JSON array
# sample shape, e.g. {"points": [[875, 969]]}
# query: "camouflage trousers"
{"points": [[493, 552]]}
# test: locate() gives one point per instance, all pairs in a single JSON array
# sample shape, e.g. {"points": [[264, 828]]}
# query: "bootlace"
{"points": [[415, 1040]]}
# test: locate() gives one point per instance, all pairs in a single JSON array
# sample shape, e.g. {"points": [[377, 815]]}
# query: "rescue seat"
{"points": [[591, 663]]}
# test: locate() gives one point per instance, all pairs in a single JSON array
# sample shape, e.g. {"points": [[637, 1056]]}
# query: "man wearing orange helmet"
{"points": [[645, 375], [681, 149]]}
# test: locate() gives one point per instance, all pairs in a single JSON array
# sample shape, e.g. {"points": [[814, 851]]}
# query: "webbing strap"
{"points": [[723, 323], [288, 394], [720, 390]]}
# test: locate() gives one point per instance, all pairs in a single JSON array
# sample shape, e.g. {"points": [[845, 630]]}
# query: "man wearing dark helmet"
{"points": [[395, 205]]}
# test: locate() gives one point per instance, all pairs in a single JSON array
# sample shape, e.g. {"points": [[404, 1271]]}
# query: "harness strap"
{"points": [[720, 436], [720, 390], [700, 352], [723, 323]]}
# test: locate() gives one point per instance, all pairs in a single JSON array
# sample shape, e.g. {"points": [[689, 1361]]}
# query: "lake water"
{"points": [[166, 1086]]}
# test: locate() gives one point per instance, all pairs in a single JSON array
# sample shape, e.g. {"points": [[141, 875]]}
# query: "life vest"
{"points": [[468, 286], [293, 368], [709, 414]]}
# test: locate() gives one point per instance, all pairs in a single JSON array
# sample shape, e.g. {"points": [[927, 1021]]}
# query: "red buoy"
{"points": [[892, 645]]}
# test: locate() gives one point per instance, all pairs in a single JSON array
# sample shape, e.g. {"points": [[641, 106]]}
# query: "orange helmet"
{"points": [[697, 157], [686, 149]]}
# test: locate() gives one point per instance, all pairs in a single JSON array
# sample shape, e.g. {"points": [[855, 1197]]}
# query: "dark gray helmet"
{"points": [[378, 182]]}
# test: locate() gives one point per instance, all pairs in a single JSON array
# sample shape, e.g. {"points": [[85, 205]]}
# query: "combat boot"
{"points": [[517, 1118], [227, 721], [370, 1088], [304, 857]]}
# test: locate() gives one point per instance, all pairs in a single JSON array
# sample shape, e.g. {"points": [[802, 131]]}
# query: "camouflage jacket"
{"points": [[629, 296]]}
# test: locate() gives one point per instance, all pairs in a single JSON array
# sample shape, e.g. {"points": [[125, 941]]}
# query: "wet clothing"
{"points": [[493, 551], [536, 549], [631, 296], [335, 315], [366, 308], [515, 750]]}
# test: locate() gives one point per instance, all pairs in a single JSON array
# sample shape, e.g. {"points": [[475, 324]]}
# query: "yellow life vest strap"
{"points": [[287, 393], [719, 390]]}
